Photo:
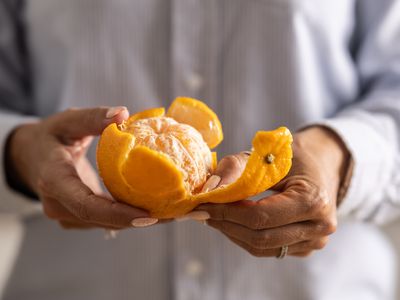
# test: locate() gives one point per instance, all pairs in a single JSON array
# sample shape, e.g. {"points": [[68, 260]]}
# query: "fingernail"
{"points": [[144, 222], [211, 183], [197, 215], [113, 111]]}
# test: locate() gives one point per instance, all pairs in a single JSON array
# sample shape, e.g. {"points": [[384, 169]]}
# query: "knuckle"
{"points": [[331, 226], [114, 218], [327, 226], [276, 240], [258, 241], [302, 185], [317, 198], [82, 212], [320, 244], [259, 221]]}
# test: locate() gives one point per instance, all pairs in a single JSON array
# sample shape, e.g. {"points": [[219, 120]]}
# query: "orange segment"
{"points": [[198, 115]]}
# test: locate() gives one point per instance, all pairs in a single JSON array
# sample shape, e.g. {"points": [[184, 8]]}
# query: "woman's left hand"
{"points": [[302, 215]]}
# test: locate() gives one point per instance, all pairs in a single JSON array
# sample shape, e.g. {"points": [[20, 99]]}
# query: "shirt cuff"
{"points": [[369, 164], [11, 201]]}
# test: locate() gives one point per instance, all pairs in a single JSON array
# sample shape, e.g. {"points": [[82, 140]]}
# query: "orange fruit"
{"points": [[160, 162]]}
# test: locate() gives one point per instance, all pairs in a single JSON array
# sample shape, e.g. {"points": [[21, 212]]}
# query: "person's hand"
{"points": [[49, 157], [301, 216]]}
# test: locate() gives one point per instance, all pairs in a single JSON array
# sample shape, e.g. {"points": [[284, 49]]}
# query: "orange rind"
{"points": [[160, 162]]}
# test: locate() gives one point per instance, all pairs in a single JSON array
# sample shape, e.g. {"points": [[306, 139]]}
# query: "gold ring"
{"points": [[284, 251]]}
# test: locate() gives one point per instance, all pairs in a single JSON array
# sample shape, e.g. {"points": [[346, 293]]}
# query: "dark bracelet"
{"points": [[12, 178]]}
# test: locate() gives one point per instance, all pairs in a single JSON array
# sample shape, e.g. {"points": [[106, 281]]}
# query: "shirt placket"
{"points": [[194, 66]]}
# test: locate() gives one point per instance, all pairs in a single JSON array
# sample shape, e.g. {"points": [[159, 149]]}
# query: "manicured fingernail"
{"points": [[197, 215], [211, 183], [144, 222], [113, 111]]}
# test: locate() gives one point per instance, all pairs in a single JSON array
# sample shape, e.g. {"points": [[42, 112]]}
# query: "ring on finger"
{"points": [[283, 253]]}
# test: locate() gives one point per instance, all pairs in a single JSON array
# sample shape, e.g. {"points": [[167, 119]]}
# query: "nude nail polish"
{"points": [[144, 222], [211, 183]]}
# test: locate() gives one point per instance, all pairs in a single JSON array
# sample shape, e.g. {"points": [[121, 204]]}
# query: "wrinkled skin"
{"points": [[302, 214]]}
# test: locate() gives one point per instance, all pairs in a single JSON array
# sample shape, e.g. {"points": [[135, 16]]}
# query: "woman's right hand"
{"points": [[49, 158]]}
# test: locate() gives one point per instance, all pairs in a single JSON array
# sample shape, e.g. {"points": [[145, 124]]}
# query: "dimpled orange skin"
{"points": [[155, 163]]}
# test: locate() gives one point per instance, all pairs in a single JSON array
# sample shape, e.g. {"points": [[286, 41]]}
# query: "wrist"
{"points": [[331, 153]]}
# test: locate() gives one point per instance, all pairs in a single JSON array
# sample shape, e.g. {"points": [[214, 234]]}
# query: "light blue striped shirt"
{"points": [[259, 64]]}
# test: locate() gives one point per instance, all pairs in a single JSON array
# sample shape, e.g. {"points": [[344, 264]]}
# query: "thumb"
{"points": [[229, 169], [74, 124]]}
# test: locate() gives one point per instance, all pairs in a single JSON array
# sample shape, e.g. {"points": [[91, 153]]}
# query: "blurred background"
{"points": [[392, 230]]}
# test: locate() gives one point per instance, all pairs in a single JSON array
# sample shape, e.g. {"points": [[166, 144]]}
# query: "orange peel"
{"points": [[159, 162]]}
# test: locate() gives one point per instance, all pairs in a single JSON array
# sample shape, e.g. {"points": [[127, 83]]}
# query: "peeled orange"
{"points": [[160, 162]]}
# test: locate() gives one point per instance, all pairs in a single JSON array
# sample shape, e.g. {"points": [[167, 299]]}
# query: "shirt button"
{"points": [[194, 268], [194, 82]]}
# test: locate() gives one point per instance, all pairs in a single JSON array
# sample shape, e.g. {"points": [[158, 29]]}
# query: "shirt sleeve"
{"points": [[371, 126], [16, 105]]}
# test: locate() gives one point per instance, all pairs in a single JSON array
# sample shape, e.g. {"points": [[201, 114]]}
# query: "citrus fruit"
{"points": [[160, 162]]}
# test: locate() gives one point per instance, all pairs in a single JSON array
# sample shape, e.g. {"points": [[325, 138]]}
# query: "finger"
{"points": [[63, 183], [55, 211], [294, 205], [75, 124], [228, 171], [75, 225], [269, 238], [300, 249], [231, 167]]}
